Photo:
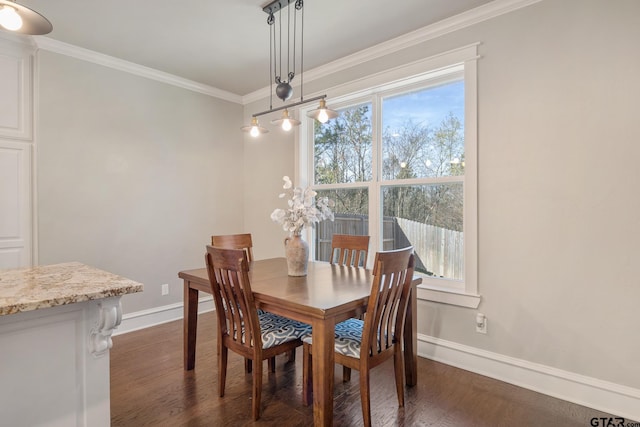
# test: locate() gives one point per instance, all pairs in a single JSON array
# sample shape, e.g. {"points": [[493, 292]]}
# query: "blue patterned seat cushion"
{"points": [[348, 337], [277, 329]]}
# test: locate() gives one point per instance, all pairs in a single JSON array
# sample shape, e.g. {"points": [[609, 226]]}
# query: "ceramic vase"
{"points": [[297, 253]]}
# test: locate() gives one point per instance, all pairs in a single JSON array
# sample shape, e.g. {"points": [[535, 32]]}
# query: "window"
{"points": [[400, 164]]}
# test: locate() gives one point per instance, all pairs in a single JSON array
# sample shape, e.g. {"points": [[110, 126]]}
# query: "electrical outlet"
{"points": [[165, 289], [481, 323]]}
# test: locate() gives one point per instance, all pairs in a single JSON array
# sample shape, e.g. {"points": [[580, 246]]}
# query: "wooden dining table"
{"points": [[327, 295]]}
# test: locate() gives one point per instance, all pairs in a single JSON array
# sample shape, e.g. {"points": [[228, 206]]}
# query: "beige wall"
{"points": [[133, 175], [558, 197]]}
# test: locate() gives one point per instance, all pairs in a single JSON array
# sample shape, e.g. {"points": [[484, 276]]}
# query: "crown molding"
{"points": [[454, 23], [73, 51]]}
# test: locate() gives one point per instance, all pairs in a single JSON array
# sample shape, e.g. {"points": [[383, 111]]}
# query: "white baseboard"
{"points": [[158, 315], [615, 399]]}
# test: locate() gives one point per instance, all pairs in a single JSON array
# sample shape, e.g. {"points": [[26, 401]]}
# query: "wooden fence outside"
{"points": [[439, 252]]}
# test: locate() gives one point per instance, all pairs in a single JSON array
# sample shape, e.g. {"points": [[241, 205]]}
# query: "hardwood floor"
{"points": [[150, 388]]}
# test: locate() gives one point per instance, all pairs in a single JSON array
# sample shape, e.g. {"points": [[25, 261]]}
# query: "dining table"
{"points": [[327, 295]]}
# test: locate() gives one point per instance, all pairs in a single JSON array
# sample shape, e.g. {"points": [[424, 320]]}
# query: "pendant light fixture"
{"points": [[20, 19], [254, 128], [286, 60], [322, 113], [285, 121]]}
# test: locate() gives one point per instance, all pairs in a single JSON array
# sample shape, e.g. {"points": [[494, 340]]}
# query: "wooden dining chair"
{"points": [[244, 242], [235, 241], [240, 328], [351, 250], [363, 345]]}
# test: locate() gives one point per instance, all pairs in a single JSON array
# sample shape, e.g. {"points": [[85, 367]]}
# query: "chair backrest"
{"points": [[352, 250], [387, 307], [237, 315], [235, 241]]}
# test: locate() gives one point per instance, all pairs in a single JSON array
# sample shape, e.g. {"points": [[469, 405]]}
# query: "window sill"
{"points": [[448, 296]]}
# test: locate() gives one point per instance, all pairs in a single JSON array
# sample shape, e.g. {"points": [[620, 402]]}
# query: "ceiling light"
{"points": [[22, 20], [10, 19], [254, 128], [322, 113], [285, 121], [286, 60]]}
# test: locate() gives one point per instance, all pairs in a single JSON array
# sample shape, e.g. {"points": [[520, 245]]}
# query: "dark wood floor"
{"points": [[150, 388]]}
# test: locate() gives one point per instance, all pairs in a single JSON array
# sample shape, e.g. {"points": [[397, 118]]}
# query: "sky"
{"points": [[428, 106]]}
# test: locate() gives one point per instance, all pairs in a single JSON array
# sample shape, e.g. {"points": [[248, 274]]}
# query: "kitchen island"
{"points": [[55, 334]]}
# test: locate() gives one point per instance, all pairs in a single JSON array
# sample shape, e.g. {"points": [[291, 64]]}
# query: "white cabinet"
{"points": [[16, 151], [16, 85], [15, 205]]}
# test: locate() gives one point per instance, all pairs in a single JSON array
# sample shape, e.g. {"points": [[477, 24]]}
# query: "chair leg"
{"points": [[222, 369], [272, 364], [346, 374], [398, 364], [292, 355], [365, 397], [307, 375], [257, 390], [247, 365]]}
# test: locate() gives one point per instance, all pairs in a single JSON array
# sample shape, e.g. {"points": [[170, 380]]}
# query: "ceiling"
{"points": [[225, 43]]}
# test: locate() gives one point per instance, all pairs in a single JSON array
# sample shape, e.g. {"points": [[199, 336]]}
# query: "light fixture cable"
{"points": [[284, 89]]}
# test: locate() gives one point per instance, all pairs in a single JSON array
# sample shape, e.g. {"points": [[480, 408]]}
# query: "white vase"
{"points": [[297, 253]]}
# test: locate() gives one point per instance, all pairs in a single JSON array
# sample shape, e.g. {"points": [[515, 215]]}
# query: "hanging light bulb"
{"points": [[10, 19], [322, 113], [285, 121], [254, 128], [286, 125], [323, 117]]}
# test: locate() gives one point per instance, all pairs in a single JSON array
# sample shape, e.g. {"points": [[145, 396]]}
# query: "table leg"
{"points": [[190, 325], [411, 340], [323, 371]]}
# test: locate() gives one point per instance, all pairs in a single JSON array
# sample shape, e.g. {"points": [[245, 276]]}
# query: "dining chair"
{"points": [[235, 241], [240, 328], [241, 241], [351, 250], [363, 345]]}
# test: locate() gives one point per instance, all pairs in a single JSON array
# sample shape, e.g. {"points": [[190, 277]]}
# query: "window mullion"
{"points": [[375, 203]]}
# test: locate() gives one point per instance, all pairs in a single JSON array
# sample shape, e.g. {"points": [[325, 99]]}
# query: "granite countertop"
{"points": [[46, 286]]}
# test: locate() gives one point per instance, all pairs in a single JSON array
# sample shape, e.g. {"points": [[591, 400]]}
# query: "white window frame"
{"points": [[449, 66]]}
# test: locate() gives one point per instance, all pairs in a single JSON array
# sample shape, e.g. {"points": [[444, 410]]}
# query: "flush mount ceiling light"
{"points": [[20, 19], [286, 47]]}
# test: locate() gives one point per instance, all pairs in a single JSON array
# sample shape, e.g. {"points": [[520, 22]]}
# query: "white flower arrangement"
{"points": [[303, 210]]}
